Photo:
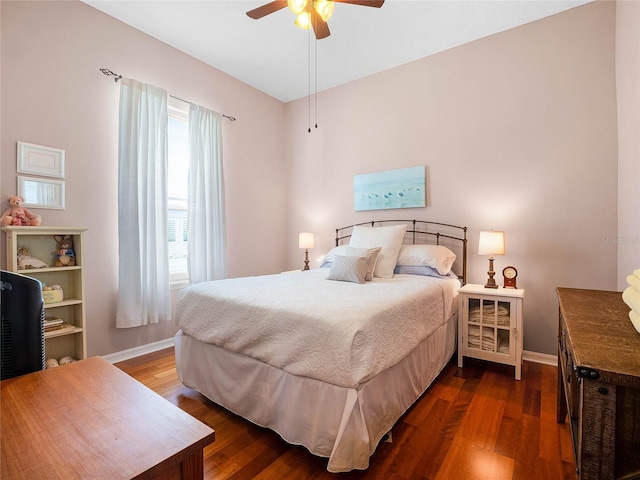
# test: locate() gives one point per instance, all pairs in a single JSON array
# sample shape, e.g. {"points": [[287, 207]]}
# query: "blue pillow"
{"points": [[422, 270]]}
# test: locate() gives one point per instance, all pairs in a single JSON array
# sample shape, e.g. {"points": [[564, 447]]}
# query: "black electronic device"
{"points": [[21, 325]]}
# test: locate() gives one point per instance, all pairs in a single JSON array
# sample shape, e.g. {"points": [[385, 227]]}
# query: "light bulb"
{"points": [[297, 6], [304, 21], [325, 8]]}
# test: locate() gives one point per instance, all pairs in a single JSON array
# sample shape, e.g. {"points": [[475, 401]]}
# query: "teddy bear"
{"points": [[65, 257], [26, 261], [17, 215]]}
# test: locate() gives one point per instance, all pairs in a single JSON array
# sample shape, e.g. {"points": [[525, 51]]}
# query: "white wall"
{"points": [[518, 133], [628, 88], [53, 94]]}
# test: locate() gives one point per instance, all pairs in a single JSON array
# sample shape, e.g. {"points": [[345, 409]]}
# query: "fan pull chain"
{"points": [[309, 76], [316, 85]]}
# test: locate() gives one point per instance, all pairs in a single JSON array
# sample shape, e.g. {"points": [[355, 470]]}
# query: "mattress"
{"points": [[336, 332]]}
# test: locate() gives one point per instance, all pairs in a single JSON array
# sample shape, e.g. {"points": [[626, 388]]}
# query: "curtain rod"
{"points": [[109, 73]]}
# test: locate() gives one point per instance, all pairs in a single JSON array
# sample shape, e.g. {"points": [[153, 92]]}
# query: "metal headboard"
{"points": [[420, 232]]}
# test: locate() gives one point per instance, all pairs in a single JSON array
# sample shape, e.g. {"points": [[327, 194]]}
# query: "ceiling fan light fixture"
{"points": [[297, 6], [325, 8], [310, 13], [303, 21]]}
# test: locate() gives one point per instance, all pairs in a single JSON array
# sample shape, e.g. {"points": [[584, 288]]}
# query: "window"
{"points": [[177, 185]]}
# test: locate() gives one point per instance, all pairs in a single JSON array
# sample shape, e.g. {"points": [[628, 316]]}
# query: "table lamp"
{"points": [[491, 243], [306, 241]]}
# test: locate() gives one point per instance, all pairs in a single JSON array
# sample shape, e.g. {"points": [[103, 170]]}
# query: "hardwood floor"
{"points": [[472, 423]]}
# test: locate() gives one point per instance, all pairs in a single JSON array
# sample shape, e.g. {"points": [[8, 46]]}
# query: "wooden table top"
{"points": [[601, 332], [89, 419]]}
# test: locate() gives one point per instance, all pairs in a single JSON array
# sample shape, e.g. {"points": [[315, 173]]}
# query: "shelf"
{"points": [[61, 333], [64, 303], [33, 271], [43, 230], [72, 310]]}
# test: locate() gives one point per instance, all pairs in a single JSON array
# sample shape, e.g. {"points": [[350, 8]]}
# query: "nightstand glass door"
{"points": [[489, 326]]}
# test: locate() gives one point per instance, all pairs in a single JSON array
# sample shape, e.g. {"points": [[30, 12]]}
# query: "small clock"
{"points": [[510, 274]]}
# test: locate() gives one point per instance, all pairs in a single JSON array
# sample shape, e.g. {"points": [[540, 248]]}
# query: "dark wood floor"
{"points": [[472, 423]]}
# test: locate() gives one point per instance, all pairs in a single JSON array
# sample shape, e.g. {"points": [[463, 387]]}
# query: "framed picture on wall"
{"points": [[400, 188], [40, 160]]}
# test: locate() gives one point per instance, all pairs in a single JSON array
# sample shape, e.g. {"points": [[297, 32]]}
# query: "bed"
{"points": [[330, 365]]}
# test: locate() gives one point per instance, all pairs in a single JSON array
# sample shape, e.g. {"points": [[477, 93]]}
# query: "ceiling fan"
{"points": [[310, 13]]}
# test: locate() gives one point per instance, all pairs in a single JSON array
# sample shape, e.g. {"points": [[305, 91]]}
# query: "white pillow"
{"points": [[369, 254], [435, 256], [328, 258], [388, 239], [348, 269]]}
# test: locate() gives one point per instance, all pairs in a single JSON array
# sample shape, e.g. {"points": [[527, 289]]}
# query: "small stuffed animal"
{"points": [[26, 261], [17, 215], [65, 257], [51, 363], [66, 360]]}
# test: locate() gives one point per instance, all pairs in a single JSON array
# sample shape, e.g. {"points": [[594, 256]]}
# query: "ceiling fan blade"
{"points": [[320, 27], [364, 3], [266, 9]]}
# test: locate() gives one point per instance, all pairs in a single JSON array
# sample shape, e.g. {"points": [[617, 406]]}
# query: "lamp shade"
{"points": [[297, 6], [306, 240], [303, 21], [324, 8], [491, 243]]}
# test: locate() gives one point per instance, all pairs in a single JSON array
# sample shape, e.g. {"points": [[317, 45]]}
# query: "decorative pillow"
{"points": [[388, 239], [436, 256], [370, 255], [348, 269], [422, 270], [328, 258]]}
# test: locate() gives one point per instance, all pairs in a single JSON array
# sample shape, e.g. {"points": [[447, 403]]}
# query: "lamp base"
{"points": [[491, 283], [306, 260]]}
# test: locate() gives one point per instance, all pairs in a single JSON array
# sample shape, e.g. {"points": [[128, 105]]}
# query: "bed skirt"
{"points": [[343, 424]]}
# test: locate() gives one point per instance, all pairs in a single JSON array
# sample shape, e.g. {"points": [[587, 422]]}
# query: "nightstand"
{"points": [[491, 325]]}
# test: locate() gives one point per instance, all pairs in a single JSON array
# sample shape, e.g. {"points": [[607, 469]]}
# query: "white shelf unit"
{"points": [[491, 325], [72, 309]]}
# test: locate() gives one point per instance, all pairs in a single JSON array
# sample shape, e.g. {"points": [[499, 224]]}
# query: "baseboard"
{"points": [[543, 358], [137, 351], [534, 357]]}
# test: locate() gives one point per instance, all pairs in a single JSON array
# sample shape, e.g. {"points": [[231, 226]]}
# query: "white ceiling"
{"points": [[273, 55]]}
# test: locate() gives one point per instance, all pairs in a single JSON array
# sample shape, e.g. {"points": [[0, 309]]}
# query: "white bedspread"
{"points": [[337, 332]]}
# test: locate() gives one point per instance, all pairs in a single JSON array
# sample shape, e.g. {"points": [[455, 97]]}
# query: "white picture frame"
{"points": [[40, 160], [40, 192]]}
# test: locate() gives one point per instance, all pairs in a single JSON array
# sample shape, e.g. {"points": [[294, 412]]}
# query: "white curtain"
{"points": [[207, 230], [143, 292]]}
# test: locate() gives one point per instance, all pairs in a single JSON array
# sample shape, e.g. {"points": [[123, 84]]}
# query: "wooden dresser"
{"points": [[599, 383]]}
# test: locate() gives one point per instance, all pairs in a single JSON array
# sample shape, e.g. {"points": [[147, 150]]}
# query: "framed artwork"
{"points": [[39, 160], [41, 192], [401, 188]]}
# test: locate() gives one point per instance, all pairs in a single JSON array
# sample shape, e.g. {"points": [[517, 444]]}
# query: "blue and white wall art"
{"points": [[401, 188]]}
